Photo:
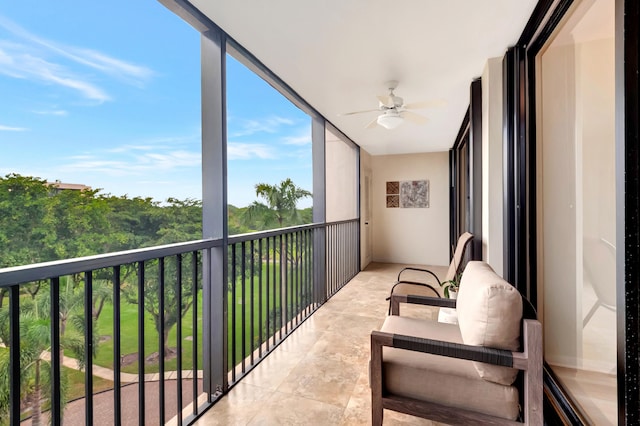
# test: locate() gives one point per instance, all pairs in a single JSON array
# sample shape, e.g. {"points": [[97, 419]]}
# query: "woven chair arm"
{"points": [[437, 347]]}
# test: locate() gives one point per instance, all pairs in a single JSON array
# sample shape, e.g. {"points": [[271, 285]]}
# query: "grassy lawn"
{"points": [[256, 313], [76, 384], [129, 337]]}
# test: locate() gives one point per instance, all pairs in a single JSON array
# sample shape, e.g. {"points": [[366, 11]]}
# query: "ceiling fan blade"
{"points": [[372, 124], [413, 117], [386, 101], [427, 104], [359, 112]]}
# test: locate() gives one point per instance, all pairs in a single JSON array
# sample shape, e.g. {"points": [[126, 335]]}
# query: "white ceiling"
{"points": [[337, 54]]}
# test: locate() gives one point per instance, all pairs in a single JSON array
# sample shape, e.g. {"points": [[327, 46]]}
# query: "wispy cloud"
{"points": [[243, 127], [17, 62], [132, 162], [41, 59], [12, 129], [57, 112], [129, 148], [247, 151], [298, 140]]}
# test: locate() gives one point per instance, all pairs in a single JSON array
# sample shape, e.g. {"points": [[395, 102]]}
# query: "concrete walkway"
{"points": [[108, 374]]}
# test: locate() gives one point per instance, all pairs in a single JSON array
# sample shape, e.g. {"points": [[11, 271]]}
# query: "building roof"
{"points": [[69, 186]]}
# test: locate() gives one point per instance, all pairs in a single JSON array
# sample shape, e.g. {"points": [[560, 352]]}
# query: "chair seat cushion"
{"points": [[443, 380]]}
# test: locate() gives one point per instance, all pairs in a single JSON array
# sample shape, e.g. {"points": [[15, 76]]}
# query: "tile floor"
{"points": [[319, 374]]}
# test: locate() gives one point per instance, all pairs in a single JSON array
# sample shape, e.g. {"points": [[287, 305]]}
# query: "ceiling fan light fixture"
{"points": [[390, 120]]}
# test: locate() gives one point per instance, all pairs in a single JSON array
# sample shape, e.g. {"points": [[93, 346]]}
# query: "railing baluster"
{"points": [[179, 339], [88, 347], [194, 340], [268, 307], [233, 312], [260, 310], [285, 269], [276, 301], [56, 415], [14, 355], [161, 390], [309, 270], [141, 360], [283, 304], [339, 237], [117, 397], [251, 281], [329, 261], [244, 304], [307, 238], [340, 258], [298, 286]]}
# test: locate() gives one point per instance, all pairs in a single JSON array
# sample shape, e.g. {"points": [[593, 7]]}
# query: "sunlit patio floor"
{"points": [[319, 375]]}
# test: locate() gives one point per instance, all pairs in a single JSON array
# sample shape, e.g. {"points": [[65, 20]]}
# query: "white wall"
{"points": [[412, 235], [492, 167], [341, 162]]}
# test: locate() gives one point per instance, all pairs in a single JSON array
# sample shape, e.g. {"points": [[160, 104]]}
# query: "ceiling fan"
{"points": [[394, 110]]}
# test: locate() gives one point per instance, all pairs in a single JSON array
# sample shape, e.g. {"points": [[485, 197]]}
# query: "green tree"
{"points": [[174, 306], [23, 225]]}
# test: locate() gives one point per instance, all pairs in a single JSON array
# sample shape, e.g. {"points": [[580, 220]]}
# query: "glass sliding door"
{"points": [[576, 206]]}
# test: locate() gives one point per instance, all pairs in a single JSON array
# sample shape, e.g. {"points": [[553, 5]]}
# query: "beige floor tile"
{"points": [[322, 379], [274, 369], [335, 347], [358, 410], [285, 409], [238, 407]]}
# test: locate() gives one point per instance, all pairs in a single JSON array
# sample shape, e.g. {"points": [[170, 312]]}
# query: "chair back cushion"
{"points": [[458, 256], [489, 315]]}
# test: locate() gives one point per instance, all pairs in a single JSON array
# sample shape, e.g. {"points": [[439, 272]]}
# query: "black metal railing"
{"points": [[148, 292], [343, 254], [133, 322], [277, 280]]}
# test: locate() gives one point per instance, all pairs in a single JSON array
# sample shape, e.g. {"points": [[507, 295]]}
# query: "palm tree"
{"points": [[280, 210], [281, 200], [35, 339]]}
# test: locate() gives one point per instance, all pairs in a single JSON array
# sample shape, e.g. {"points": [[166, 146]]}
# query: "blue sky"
{"points": [[94, 95]]}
